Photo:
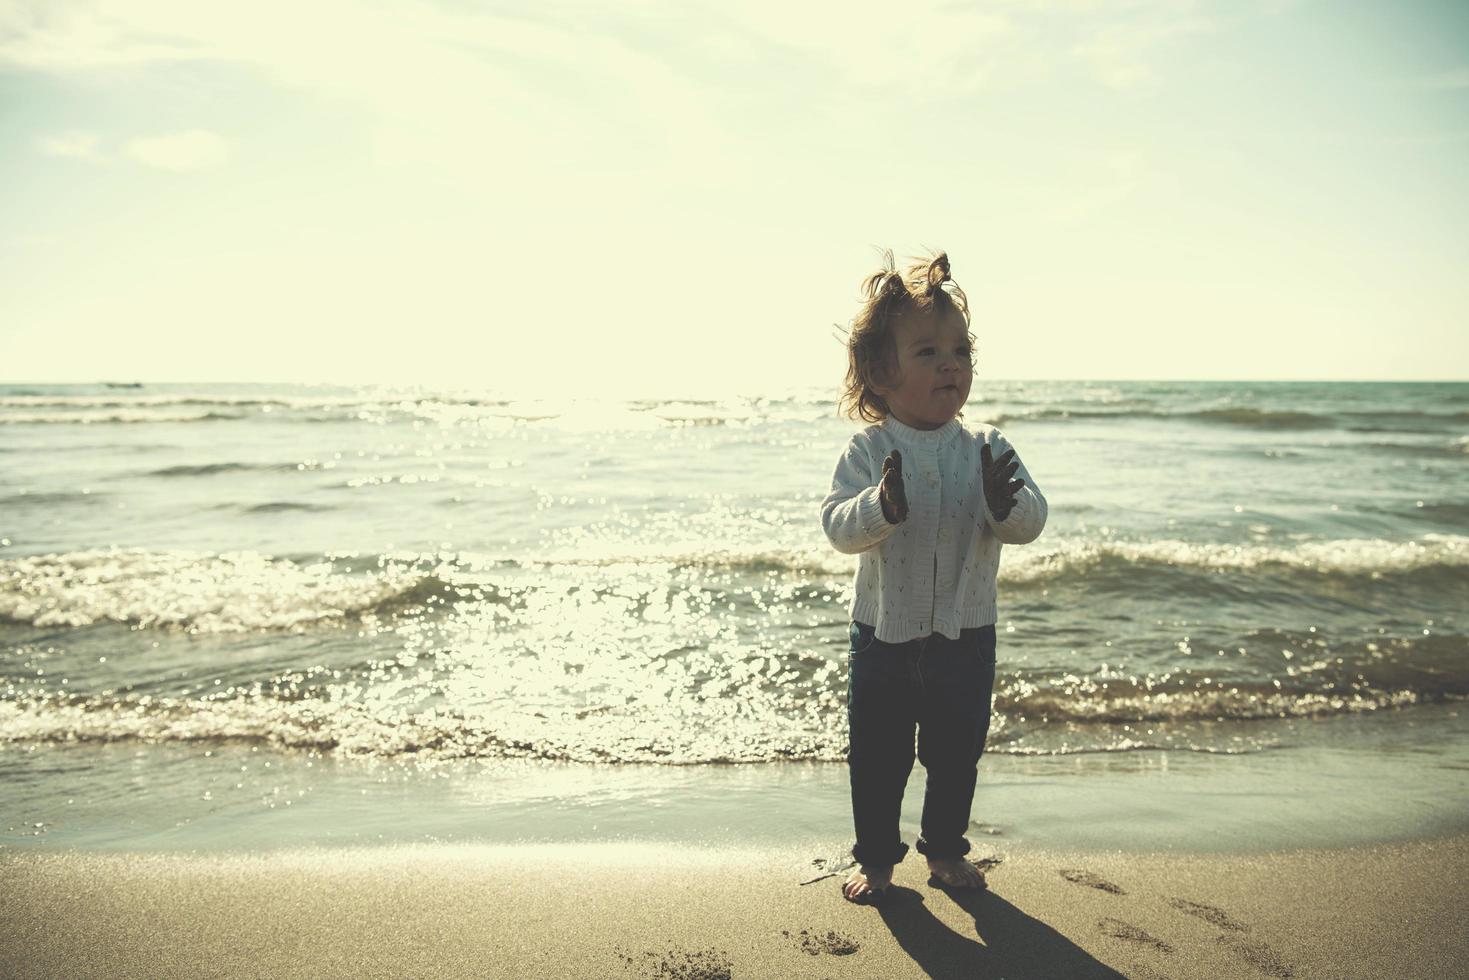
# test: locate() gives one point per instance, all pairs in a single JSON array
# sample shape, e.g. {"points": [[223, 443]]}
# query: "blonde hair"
{"points": [[925, 290]]}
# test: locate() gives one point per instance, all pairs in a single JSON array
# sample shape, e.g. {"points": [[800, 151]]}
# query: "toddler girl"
{"points": [[926, 503]]}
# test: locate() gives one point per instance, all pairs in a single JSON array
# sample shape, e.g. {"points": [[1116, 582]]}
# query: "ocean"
{"points": [[451, 596]]}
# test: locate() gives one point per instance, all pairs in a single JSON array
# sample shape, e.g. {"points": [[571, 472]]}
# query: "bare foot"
{"points": [[868, 883], [956, 872]]}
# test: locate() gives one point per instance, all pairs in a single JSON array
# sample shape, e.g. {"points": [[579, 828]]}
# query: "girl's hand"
{"points": [[890, 491], [999, 495]]}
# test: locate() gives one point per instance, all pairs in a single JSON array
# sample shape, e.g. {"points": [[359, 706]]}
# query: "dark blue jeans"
{"points": [[941, 686]]}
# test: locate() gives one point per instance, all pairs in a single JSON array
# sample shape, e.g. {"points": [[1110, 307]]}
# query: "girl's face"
{"points": [[935, 369]]}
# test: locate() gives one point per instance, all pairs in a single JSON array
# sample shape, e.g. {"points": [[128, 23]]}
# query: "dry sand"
{"points": [[618, 911]]}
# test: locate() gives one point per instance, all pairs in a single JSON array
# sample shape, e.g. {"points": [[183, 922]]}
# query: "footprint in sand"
{"points": [[1090, 880], [1118, 929], [1257, 955], [676, 964], [986, 865], [1209, 913], [833, 943]]}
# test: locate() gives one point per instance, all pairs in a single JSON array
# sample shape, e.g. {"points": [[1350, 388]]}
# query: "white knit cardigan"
{"points": [[935, 572]]}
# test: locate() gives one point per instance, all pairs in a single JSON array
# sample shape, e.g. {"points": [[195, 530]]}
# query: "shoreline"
{"points": [[638, 911], [1382, 780]]}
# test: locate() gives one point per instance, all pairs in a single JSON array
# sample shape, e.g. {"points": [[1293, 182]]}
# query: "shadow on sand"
{"points": [[1011, 944]]}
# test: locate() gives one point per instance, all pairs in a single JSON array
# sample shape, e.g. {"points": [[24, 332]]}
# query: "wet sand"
{"points": [[681, 913]]}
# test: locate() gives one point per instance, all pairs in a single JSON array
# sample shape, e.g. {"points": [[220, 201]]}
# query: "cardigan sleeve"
{"points": [[852, 514], [1028, 517]]}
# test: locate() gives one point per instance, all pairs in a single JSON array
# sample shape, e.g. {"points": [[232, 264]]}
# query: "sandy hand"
{"points": [[999, 494], [890, 491]]}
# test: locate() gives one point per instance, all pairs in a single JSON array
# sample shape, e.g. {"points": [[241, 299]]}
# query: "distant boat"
{"points": [[123, 384]]}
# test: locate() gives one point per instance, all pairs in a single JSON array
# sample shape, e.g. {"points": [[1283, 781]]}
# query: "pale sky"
{"points": [[644, 197]]}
